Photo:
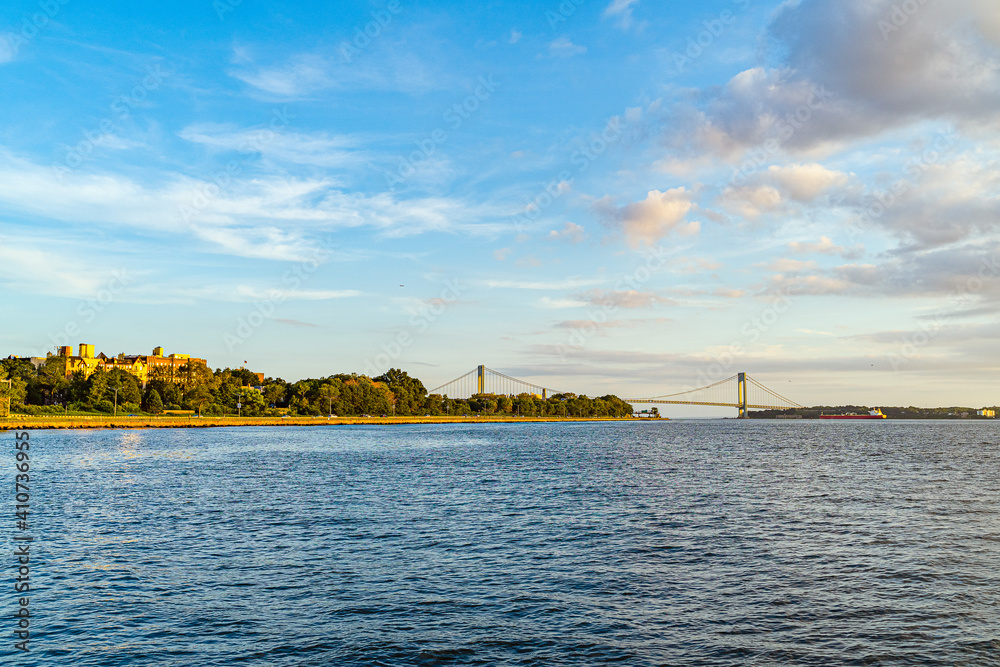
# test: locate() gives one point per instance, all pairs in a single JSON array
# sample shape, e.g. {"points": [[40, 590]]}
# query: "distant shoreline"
{"points": [[55, 422]]}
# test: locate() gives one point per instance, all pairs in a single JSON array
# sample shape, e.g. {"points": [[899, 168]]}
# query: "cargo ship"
{"points": [[874, 414]]}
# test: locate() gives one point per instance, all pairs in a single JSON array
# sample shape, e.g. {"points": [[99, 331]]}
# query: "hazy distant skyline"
{"points": [[625, 197]]}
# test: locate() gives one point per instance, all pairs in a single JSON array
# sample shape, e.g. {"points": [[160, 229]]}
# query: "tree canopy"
{"points": [[196, 387]]}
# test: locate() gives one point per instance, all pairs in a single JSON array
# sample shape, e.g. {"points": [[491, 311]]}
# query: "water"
{"points": [[672, 543]]}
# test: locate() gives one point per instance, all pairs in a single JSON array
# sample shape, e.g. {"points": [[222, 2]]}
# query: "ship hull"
{"points": [[852, 417]]}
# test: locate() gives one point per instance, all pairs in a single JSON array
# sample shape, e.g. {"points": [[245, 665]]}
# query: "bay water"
{"points": [[717, 542]]}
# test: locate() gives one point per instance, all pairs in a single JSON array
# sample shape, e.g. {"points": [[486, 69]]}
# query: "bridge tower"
{"points": [[481, 380], [741, 391]]}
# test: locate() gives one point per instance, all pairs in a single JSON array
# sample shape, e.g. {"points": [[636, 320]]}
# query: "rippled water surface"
{"points": [[672, 543]]}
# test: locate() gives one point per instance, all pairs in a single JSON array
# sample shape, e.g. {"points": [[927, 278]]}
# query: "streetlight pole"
{"points": [[116, 402]]}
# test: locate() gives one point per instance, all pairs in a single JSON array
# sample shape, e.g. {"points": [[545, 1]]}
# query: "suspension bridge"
{"points": [[747, 392], [483, 380], [739, 391]]}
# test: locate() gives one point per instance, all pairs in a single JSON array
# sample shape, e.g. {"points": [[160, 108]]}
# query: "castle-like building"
{"points": [[143, 367]]}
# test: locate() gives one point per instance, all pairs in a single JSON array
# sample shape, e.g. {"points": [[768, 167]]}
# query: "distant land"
{"points": [[891, 413], [95, 386], [91, 384]]}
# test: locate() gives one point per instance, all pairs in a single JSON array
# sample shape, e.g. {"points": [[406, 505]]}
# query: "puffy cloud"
{"points": [[844, 77], [806, 182], [570, 232], [653, 218], [751, 202], [895, 63], [935, 204]]}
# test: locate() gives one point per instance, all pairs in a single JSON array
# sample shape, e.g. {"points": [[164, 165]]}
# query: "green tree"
{"points": [[13, 391], [154, 404], [127, 386], [197, 397], [409, 392], [52, 380], [252, 402], [329, 393]]}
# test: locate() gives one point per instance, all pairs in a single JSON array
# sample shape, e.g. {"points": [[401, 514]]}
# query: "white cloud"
{"points": [[562, 47], [625, 298], [7, 50], [751, 201], [264, 217], [650, 220], [559, 304], [320, 150], [571, 232], [307, 74], [34, 269], [256, 293], [515, 36], [847, 80], [785, 265], [825, 246], [806, 182], [622, 9], [555, 285]]}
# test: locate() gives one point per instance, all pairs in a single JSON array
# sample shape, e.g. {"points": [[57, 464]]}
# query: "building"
{"points": [[144, 367], [986, 412]]}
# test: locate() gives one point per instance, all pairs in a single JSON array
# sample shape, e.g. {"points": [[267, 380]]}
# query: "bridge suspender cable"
{"points": [[739, 391]]}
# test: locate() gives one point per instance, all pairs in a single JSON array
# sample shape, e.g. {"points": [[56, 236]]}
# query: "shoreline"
{"points": [[54, 422]]}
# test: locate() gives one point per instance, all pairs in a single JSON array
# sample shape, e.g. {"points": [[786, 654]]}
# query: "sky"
{"points": [[631, 197]]}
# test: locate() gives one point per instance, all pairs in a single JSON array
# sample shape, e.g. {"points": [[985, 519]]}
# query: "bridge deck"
{"points": [[720, 405]]}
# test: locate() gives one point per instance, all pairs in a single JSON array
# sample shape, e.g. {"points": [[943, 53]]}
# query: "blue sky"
{"points": [[628, 197]]}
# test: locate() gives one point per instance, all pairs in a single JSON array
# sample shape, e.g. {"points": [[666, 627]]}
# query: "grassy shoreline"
{"points": [[25, 422]]}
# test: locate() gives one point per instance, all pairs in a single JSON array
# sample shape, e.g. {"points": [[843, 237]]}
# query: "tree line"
{"points": [[48, 390]]}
